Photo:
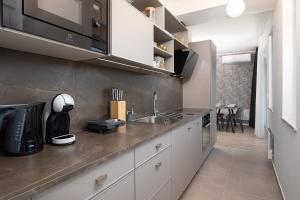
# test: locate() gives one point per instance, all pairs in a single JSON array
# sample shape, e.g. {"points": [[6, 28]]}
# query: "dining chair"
{"points": [[220, 119], [230, 118], [235, 114]]}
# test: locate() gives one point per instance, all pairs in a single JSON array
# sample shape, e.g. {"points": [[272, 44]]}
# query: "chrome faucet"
{"points": [[155, 104]]}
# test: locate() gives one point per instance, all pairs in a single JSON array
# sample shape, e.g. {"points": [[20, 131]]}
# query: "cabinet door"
{"points": [[131, 33], [179, 161], [124, 189]]}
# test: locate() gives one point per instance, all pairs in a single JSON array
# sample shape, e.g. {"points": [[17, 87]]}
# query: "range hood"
{"points": [[184, 62]]}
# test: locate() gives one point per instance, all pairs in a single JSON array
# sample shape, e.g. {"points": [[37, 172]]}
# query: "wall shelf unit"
{"points": [[162, 53], [178, 45], [168, 31], [173, 25], [161, 35], [141, 4]]}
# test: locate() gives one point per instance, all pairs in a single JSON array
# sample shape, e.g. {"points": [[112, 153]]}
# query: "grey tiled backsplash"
{"points": [[27, 78]]}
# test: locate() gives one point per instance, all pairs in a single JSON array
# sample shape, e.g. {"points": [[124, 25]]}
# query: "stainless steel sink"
{"points": [[162, 119]]}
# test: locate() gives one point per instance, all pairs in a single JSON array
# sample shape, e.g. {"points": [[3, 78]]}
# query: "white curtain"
{"points": [[261, 108]]}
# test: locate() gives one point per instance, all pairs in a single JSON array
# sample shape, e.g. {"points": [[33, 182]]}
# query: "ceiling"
{"points": [[180, 7], [207, 20], [232, 35]]}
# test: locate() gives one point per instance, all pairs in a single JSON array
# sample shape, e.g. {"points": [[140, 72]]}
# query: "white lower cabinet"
{"points": [[179, 161], [95, 180], [186, 155], [124, 189], [159, 169], [153, 175], [164, 193]]}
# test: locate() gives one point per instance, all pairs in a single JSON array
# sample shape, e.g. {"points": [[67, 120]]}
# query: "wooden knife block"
{"points": [[118, 110]]}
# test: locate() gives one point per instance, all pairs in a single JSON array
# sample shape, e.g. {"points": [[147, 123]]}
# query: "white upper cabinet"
{"points": [[131, 33]]}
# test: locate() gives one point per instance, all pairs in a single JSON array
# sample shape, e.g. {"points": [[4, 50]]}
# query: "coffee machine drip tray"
{"points": [[64, 139]]}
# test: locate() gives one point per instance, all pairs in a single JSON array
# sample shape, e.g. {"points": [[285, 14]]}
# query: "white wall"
{"points": [[261, 90], [287, 141]]}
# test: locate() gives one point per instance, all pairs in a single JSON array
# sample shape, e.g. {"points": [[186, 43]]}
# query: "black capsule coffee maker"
{"points": [[58, 121]]}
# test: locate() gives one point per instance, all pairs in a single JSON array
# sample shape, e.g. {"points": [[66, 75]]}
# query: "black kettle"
{"points": [[21, 128]]}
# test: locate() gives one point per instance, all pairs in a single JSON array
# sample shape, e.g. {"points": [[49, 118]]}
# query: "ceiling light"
{"points": [[235, 8]]}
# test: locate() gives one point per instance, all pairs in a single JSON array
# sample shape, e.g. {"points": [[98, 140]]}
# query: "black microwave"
{"points": [[81, 23]]}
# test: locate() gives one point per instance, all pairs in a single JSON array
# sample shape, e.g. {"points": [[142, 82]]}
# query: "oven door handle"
{"points": [[207, 125]]}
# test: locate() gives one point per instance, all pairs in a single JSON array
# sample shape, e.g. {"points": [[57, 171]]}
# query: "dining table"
{"points": [[229, 115]]}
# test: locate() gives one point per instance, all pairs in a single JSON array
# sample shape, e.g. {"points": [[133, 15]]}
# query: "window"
{"points": [[288, 62]]}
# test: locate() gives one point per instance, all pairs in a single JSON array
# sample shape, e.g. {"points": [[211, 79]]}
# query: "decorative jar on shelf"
{"points": [[150, 12]]}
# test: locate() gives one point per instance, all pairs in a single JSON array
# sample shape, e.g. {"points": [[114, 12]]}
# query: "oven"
{"points": [[206, 136], [81, 23]]}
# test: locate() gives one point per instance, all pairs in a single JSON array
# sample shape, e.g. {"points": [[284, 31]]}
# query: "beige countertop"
{"points": [[22, 177]]}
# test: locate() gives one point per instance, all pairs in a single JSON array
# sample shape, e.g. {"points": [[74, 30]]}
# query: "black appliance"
{"points": [[58, 122], [104, 126], [81, 23], [21, 128], [184, 62]]}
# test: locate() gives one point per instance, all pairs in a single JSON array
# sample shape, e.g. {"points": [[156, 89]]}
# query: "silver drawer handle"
{"points": [[101, 179], [158, 165], [158, 146]]}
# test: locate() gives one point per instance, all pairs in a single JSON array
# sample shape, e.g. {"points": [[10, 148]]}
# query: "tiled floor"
{"points": [[237, 169]]}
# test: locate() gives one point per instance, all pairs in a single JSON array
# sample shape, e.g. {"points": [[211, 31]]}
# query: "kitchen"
{"points": [[65, 80]]}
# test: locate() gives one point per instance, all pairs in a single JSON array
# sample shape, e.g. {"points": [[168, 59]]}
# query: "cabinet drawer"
{"points": [[151, 176], [164, 193], [123, 189], [147, 150], [89, 183]]}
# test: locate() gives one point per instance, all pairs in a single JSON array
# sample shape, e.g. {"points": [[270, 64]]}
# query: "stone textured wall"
{"points": [[26, 78], [234, 83]]}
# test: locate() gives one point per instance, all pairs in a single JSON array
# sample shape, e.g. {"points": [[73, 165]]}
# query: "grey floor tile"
{"points": [[237, 169], [200, 191], [236, 195]]}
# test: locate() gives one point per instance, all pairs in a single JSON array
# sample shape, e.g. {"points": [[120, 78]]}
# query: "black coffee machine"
{"points": [[21, 131], [58, 121]]}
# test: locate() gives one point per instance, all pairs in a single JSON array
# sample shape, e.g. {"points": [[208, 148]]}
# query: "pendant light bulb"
{"points": [[235, 8]]}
